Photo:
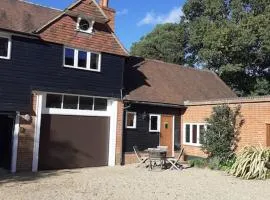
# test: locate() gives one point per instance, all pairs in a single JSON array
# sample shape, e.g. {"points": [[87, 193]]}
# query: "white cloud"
{"points": [[122, 12], [153, 18]]}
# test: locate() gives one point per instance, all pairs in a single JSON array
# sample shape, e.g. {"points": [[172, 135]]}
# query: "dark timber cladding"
{"points": [[140, 136], [36, 65], [68, 142]]}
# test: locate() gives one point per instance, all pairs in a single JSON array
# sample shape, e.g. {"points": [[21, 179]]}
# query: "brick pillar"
{"points": [[119, 133], [26, 141]]}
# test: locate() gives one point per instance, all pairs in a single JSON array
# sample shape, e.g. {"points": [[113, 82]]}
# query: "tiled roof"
{"points": [[160, 82], [23, 16]]}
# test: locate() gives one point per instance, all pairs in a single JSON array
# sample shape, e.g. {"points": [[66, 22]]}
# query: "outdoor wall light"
{"points": [[144, 115]]}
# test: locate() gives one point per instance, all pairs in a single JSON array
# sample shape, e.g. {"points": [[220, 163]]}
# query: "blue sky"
{"points": [[134, 18]]}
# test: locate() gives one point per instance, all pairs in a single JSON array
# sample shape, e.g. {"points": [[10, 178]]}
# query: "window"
{"points": [[86, 103], [131, 119], [70, 102], [82, 59], [85, 25], [73, 102], [154, 123], [193, 132], [5, 47], [54, 101]]}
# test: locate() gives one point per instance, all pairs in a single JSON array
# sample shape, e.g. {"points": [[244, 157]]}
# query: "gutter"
{"points": [[156, 104], [20, 33]]}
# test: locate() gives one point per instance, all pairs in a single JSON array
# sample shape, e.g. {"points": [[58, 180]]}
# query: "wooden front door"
{"points": [[166, 132], [268, 135]]}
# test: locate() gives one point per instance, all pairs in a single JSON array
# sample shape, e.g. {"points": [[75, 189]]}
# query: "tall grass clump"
{"points": [[252, 163]]}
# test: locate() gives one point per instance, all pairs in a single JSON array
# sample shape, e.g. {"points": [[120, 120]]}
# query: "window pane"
{"points": [[82, 57], [100, 104], [201, 132], [70, 102], [154, 123], [3, 47], [188, 133], [94, 61], [53, 101], [194, 134], [86, 103], [130, 119], [69, 57]]}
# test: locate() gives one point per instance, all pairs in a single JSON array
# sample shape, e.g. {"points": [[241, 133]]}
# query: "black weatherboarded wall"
{"points": [[141, 136], [36, 65]]}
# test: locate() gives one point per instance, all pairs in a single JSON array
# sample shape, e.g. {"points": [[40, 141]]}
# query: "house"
{"points": [[72, 97], [167, 105], [60, 87]]}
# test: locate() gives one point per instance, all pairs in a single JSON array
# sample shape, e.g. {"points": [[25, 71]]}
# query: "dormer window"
{"points": [[85, 25]]}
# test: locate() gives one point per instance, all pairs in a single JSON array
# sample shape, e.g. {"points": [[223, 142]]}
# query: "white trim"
{"points": [[134, 120], [191, 135], [113, 129], [7, 36], [76, 112], [39, 100], [158, 122], [91, 25], [76, 59], [15, 143]]}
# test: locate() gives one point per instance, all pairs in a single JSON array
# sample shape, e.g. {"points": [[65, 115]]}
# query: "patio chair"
{"points": [[175, 162], [141, 159]]}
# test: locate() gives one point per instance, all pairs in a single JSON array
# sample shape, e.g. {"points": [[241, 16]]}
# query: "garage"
{"points": [[74, 134]]}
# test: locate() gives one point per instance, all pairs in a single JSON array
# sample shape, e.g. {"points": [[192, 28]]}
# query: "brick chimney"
{"points": [[104, 4]]}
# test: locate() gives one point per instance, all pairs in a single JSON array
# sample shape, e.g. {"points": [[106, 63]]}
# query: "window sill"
{"points": [[191, 144], [5, 58], [133, 128], [79, 68]]}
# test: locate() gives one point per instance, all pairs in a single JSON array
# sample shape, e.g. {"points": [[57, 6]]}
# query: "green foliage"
{"points": [[166, 42], [221, 135], [199, 163], [214, 163], [231, 38], [251, 163]]}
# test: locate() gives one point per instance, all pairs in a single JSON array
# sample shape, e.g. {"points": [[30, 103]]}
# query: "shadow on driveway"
{"points": [[6, 177]]}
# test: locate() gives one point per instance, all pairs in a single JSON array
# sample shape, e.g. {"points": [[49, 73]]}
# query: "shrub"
{"points": [[214, 163], [221, 136], [200, 163], [251, 163]]}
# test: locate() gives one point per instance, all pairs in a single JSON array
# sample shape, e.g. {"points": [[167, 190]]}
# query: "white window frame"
{"points": [[158, 122], [191, 135], [91, 25], [2, 35], [63, 111], [134, 120], [76, 60]]}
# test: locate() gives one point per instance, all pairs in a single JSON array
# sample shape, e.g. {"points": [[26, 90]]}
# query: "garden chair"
{"points": [[175, 162], [141, 159]]}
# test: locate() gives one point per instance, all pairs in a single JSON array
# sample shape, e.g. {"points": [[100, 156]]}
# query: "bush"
{"points": [[251, 163], [214, 163], [221, 136], [200, 163]]}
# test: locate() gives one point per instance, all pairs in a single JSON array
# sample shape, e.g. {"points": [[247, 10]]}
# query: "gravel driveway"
{"points": [[131, 183]]}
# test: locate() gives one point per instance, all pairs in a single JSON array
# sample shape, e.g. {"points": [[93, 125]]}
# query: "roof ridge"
{"points": [[182, 66], [35, 4]]}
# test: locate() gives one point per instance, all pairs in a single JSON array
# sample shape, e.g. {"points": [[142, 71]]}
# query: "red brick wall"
{"points": [[253, 131], [119, 133], [26, 141]]}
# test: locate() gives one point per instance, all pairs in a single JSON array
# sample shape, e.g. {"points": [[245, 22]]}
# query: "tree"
{"points": [[232, 38], [221, 136], [166, 42]]}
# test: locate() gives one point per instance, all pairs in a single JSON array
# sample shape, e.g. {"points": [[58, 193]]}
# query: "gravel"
{"points": [[128, 182]]}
